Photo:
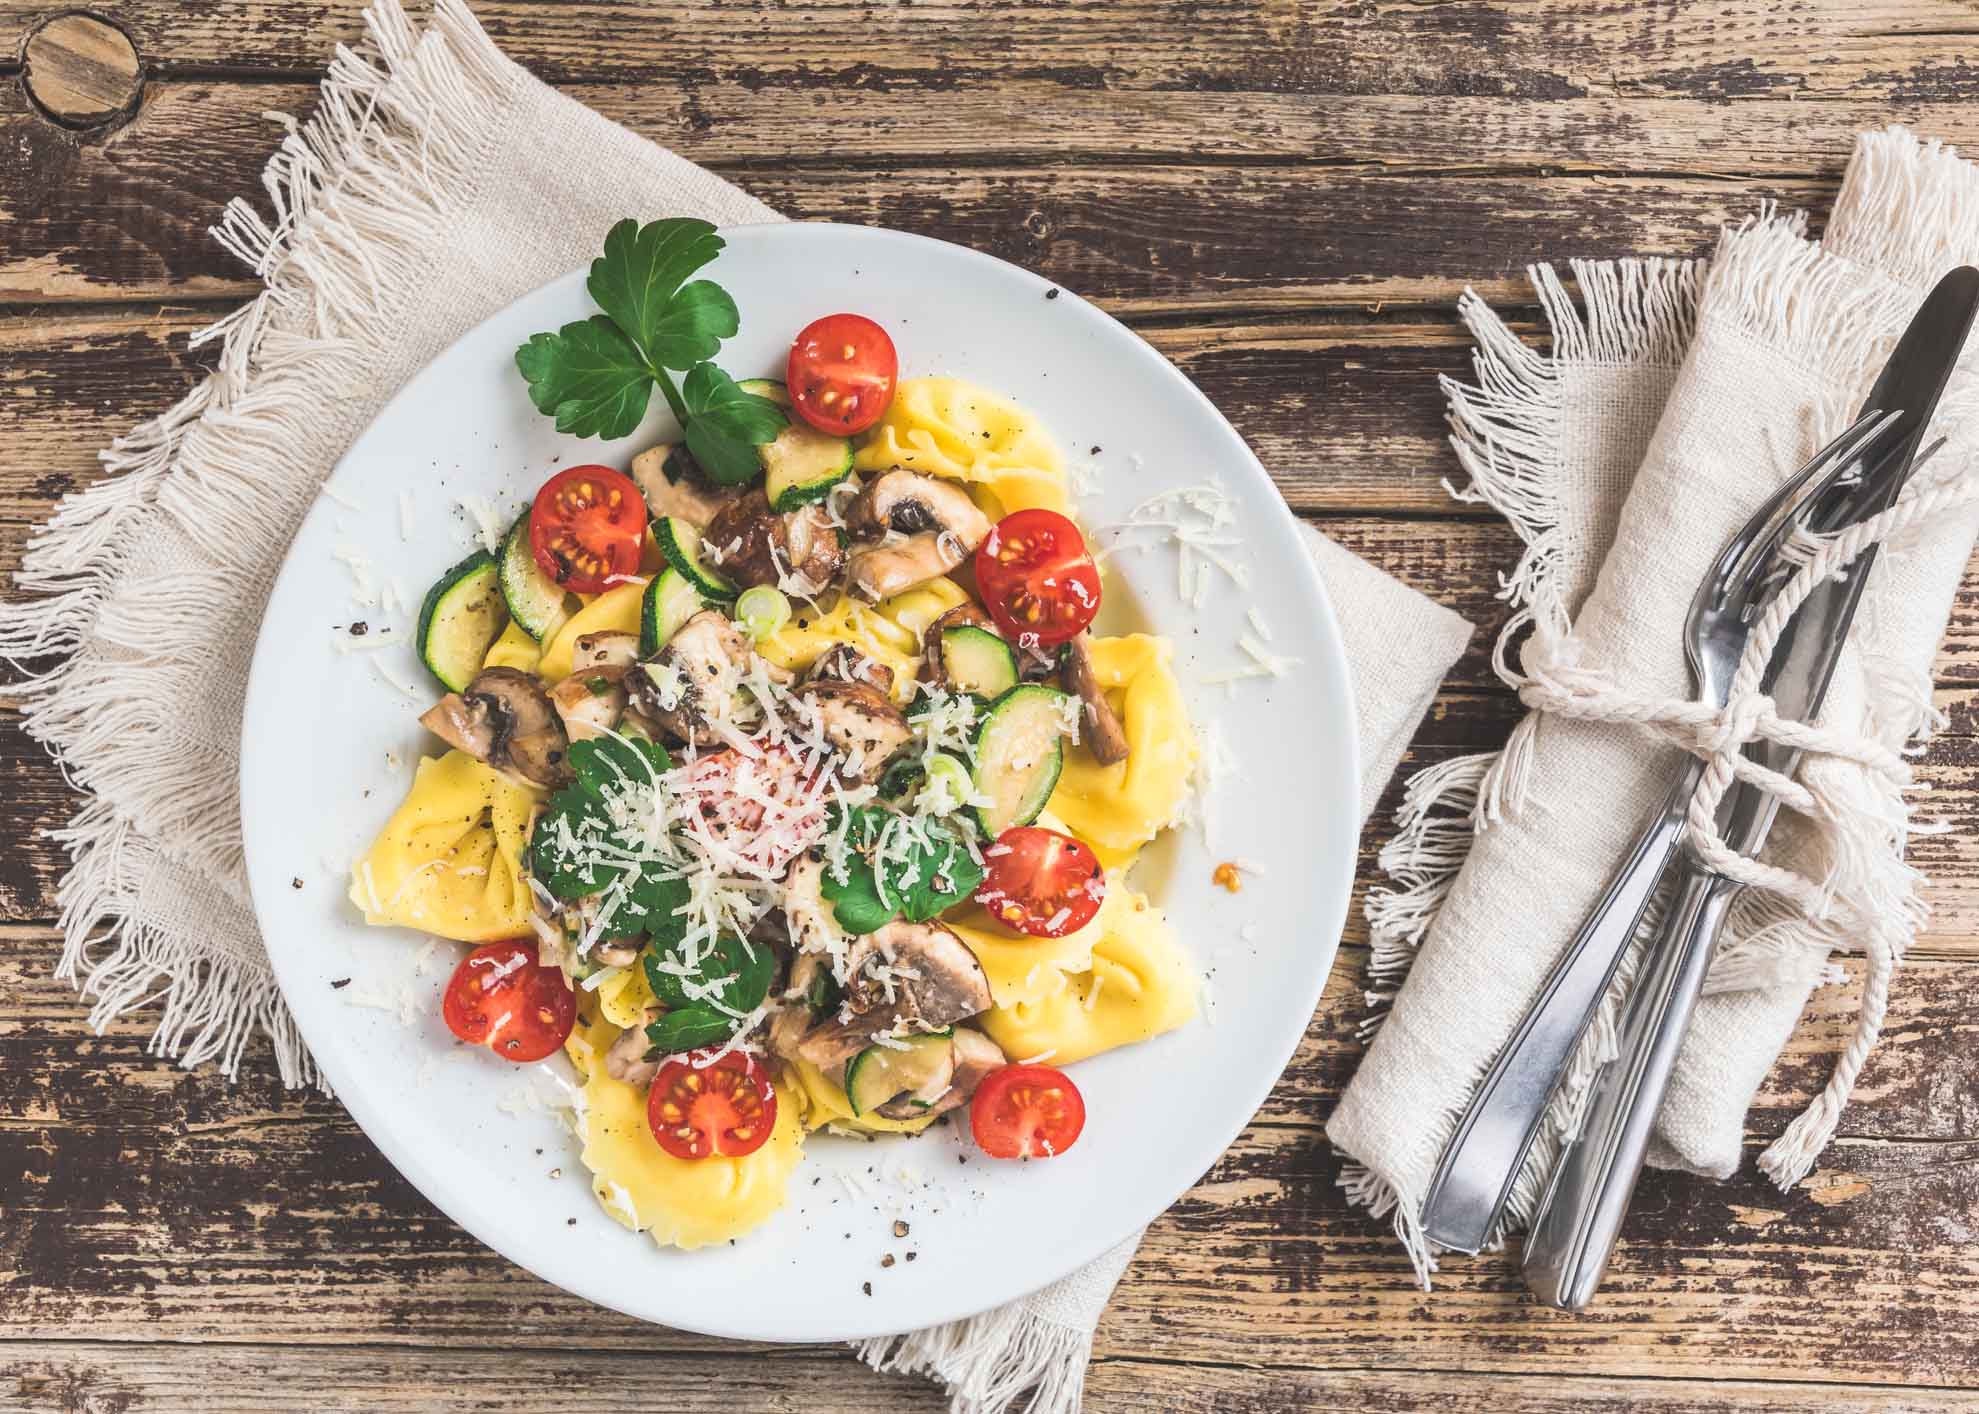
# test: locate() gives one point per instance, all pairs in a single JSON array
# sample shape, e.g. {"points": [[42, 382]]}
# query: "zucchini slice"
{"points": [[670, 601], [801, 464], [1019, 753], [680, 542], [880, 1073], [462, 616], [976, 661], [535, 601]]}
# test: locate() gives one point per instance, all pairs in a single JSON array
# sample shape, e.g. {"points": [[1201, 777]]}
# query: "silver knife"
{"points": [[1580, 1217]]}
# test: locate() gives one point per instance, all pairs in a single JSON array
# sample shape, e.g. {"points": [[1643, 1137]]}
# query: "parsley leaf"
{"points": [[641, 898], [589, 377], [597, 376], [638, 283], [725, 425], [688, 1029], [921, 883], [752, 966]]}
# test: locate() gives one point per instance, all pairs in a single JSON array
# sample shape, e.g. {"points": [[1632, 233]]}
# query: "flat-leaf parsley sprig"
{"points": [[596, 376]]}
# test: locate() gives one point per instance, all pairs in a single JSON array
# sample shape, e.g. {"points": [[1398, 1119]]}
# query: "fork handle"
{"points": [[1580, 1218], [1474, 1178]]}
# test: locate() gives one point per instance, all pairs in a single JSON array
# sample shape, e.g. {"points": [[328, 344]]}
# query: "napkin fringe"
{"points": [[989, 1362], [357, 190], [1505, 430]]}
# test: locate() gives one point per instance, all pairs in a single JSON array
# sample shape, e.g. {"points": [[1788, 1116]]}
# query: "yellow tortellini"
{"points": [[946, 427], [824, 1103], [449, 861], [514, 649], [888, 632], [622, 1000], [681, 1202], [1141, 985], [615, 611], [1116, 809]]}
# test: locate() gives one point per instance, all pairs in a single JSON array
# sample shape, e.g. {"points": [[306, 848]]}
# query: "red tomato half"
{"points": [[1036, 578], [587, 526], [1027, 1112], [501, 998], [1041, 882], [729, 1108], [841, 374]]}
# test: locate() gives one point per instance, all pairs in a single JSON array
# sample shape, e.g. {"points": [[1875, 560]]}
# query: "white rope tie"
{"points": [[1868, 893]]}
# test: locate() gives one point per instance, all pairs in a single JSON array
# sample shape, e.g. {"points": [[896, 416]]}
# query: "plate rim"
{"points": [[1333, 676]]}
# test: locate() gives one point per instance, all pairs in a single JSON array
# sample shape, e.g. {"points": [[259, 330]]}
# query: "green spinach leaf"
{"points": [[689, 1029]]}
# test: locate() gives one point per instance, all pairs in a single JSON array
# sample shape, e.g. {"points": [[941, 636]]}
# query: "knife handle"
{"points": [[1486, 1153], [1580, 1218]]}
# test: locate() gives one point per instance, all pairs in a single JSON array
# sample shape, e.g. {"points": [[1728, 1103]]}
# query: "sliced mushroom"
{"points": [[920, 1103], [795, 1015], [814, 931], [973, 1057], [947, 985], [591, 702], [1105, 737], [816, 551], [625, 1059], [753, 545], [698, 675], [605, 649], [673, 484], [505, 719], [861, 724], [844, 663], [941, 524], [616, 952], [933, 668]]}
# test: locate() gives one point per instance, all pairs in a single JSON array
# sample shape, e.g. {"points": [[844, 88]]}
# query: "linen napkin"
{"points": [[436, 182], [1668, 408]]}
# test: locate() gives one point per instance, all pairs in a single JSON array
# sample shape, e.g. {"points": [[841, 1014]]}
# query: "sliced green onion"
{"points": [[948, 786], [762, 611]]}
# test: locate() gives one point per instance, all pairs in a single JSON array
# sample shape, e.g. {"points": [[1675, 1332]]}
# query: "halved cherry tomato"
{"points": [[1027, 1112], [728, 1108], [1041, 882], [588, 525], [1036, 578], [501, 998], [841, 373]]}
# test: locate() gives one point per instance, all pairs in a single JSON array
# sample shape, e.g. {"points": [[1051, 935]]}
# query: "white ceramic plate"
{"points": [[329, 743]]}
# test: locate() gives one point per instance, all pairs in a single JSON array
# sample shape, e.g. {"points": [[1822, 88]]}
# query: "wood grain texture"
{"points": [[49, 1377], [1709, 49]]}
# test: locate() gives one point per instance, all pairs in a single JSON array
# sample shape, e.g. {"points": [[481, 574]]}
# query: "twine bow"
{"points": [[1867, 892]]}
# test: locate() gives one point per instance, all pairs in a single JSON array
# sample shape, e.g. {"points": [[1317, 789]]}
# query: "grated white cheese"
{"points": [[486, 520], [341, 498], [1040, 1058], [378, 666], [405, 514]]}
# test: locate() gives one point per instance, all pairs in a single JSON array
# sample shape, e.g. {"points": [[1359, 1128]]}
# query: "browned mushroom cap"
{"points": [[843, 663], [1105, 737], [933, 669], [941, 524], [753, 545], [672, 483], [505, 719], [938, 983], [604, 649], [698, 674], [625, 1058], [860, 722]]}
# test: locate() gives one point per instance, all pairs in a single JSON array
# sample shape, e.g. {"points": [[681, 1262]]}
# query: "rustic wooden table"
{"points": [[1285, 198]]}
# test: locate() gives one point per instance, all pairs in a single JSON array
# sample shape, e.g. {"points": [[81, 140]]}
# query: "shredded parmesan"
{"points": [[486, 520]]}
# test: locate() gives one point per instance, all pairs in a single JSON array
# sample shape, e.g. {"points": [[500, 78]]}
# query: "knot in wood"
{"points": [[81, 70]]}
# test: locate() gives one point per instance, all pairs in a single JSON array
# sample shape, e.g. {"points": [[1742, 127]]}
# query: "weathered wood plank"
{"points": [[1892, 49], [70, 1377], [127, 217], [1346, 413]]}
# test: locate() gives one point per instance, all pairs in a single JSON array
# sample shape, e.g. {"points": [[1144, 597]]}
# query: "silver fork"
{"points": [[1474, 1180]]}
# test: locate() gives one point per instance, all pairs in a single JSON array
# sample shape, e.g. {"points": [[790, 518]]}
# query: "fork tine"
{"points": [[1801, 494]]}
